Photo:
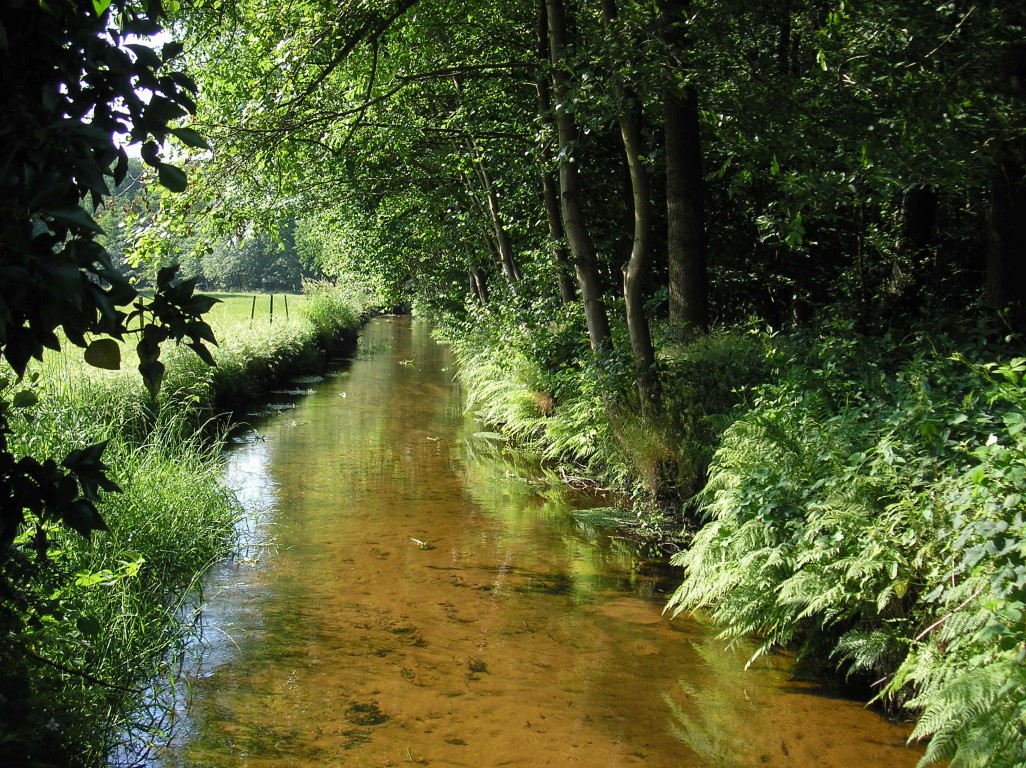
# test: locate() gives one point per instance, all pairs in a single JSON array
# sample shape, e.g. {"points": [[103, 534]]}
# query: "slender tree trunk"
{"points": [[581, 245], [509, 263], [918, 225], [478, 285], [510, 267], [550, 195], [1006, 257], [495, 234], [784, 38], [557, 238], [505, 247], [685, 192], [637, 264]]}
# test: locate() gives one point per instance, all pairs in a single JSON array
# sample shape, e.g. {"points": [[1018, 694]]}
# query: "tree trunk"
{"points": [[478, 285], [509, 263], [918, 226], [505, 248], [550, 196], [637, 263], [510, 268], [784, 39], [498, 240], [1006, 256], [685, 192], [581, 245], [557, 238]]}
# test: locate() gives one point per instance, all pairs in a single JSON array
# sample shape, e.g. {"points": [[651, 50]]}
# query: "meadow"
{"points": [[234, 308]]}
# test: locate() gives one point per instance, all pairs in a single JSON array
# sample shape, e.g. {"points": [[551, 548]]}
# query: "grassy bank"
{"points": [[534, 375], [88, 629], [859, 497]]}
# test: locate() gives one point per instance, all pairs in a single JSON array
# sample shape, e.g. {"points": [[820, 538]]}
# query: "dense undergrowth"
{"points": [[867, 510], [860, 496], [92, 632], [531, 373]]}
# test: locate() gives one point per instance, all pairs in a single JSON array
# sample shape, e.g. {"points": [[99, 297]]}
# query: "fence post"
{"points": [[252, 310], [285, 296], [272, 309]]}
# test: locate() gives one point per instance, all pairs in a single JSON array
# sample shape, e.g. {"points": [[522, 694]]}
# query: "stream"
{"points": [[408, 596]]}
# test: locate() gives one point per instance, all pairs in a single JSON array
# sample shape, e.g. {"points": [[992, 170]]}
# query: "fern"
{"points": [[879, 520]]}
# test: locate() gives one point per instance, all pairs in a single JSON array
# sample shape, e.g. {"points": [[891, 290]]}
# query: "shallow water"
{"points": [[409, 597]]}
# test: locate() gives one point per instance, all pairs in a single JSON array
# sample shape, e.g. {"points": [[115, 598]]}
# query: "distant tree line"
{"points": [[248, 259]]}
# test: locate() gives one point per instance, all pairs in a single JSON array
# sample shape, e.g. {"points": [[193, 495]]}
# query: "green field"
{"points": [[240, 307], [230, 320]]}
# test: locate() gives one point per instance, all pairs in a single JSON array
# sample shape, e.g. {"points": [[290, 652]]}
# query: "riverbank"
{"points": [[93, 632], [427, 600], [855, 498]]}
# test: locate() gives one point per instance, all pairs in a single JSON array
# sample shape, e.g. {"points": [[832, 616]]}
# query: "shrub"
{"points": [[867, 508]]}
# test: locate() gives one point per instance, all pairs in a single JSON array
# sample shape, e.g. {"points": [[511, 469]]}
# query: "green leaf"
{"points": [[25, 398], [165, 275], [201, 331], [203, 353], [75, 217], [190, 138], [171, 50], [144, 53], [92, 578], [153, 376], [104, 353], [201, 304], [82, 516], [172, 178], [88, 626], [149, 152]]}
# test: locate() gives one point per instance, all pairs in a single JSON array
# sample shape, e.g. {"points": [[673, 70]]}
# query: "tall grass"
{"points": [[91, 634]]}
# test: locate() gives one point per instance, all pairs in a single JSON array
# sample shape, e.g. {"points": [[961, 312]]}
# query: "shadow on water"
{"points": [[407, 596]]}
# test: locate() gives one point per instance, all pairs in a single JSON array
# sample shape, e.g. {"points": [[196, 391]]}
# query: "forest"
{"points": [[760, 267]]}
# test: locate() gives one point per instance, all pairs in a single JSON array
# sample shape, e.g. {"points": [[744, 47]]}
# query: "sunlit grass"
{"points": [[253, 349], [256, 308], [112, 607]]}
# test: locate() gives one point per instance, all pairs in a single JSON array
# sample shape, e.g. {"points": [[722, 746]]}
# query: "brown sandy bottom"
{"points": [[422, 607]]}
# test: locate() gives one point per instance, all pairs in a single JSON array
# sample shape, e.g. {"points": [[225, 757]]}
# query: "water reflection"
{"points": [[409, 596]]}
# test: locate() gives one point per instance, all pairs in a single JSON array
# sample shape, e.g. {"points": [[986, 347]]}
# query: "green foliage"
{"points": [[531, 373], [702, 379], [867, 508], [968, 667], [852, 159], [71, 80], [89, 642], [255, 261], [87, 637], [534, 383]]}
